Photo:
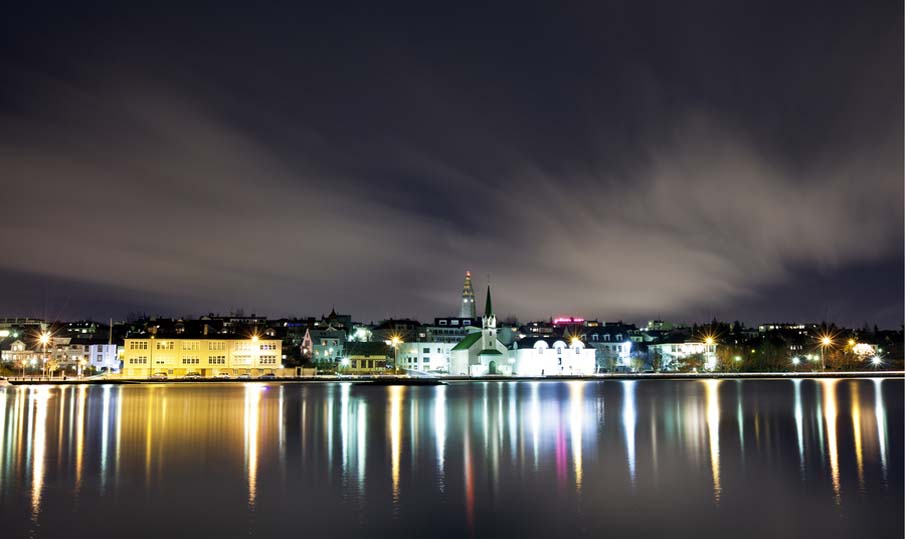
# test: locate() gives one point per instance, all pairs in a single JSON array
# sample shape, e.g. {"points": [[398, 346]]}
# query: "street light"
{"points": [[395, 341], [825, 340], [44, 339]]}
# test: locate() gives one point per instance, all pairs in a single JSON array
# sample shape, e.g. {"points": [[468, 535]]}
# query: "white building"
{"points": [[19, 353], [481, 352], [673, 355], [104, 357], [552, 357], [425, 356]]}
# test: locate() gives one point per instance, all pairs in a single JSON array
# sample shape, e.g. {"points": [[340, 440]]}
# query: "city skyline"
{"points": [[611, 161]]}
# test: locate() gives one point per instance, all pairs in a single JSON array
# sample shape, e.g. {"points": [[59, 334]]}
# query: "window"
{"points": [[426, 350], [217, 360], [216, 346], [166, 345], [190, 361], [425, 360], [442, 322], [268, 346], [190, 345], [138, 345], [268, 360], [577, 350], [243, 346], [140, 360], [242, 359]]}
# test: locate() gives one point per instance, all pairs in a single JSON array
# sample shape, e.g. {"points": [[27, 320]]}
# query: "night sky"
{"points": [[683, 160]]}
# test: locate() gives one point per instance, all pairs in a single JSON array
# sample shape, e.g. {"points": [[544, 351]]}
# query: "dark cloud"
{"points": [[619, 162]]}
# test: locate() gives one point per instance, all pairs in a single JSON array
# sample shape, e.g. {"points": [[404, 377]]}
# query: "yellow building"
{"points": [[365, 358], [177, 357]]}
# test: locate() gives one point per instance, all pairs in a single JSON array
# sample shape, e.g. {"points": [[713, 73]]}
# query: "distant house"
{"points": [[550, 357], [366, 357]]}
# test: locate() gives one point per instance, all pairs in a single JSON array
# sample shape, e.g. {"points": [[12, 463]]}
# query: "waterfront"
{"points": [[650, 458]]}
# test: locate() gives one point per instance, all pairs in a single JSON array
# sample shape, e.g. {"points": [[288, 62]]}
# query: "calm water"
{"points": [[549, 459]]}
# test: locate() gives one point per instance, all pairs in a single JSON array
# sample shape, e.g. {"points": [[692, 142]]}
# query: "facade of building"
{"points": [[19, 353], [467, 308], [481, 352], [104, 357], [425, 356], [327, 345], [366, 358], [673, 355], [552, 357], [177, 357]]}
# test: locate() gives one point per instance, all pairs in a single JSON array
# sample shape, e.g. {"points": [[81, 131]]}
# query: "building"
{"points": [[481, 352], [467, 308], [674, 355], [104, 357], [327, 345], [536, 356], [205, 356], [451, 329], [366, 358], [19, 355], [425, 356]]}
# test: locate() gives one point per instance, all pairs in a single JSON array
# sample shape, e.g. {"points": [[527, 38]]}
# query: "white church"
{"points": [[481, 352]]}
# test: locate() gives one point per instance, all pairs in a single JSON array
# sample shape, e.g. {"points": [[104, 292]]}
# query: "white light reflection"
{"points": [[880, 413], [344, 425], [576, 420], [362, 448], [105, 435], [799, 425], [440, 432], [713, 429], [80, 437], [535, 420], [629, 417]]}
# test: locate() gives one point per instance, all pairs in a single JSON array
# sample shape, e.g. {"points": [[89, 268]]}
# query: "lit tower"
{"points": [[467, 308], [488, 324]]}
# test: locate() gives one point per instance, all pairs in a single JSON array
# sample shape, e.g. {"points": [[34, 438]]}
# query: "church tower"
{"points": [[488, 323], [467, 309]]}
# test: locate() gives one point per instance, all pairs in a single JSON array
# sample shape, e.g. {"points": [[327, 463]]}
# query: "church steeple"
{"points": [[467, 309], [489, 320]]}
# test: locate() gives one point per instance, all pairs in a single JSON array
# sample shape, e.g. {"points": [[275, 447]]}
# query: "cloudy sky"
{"points": [[742, 160]]}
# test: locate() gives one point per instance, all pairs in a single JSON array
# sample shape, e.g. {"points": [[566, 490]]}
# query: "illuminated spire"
{"points": [[488, 305], [467, 309]]}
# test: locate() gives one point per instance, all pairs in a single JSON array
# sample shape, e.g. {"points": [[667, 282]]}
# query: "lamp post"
{"points": [[825, 341], [395, 341], [44, 339]]}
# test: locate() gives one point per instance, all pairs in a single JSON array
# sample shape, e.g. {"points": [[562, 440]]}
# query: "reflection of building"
{"points": [[481, 352], [674, 355], [208, 357], [546, 357]]}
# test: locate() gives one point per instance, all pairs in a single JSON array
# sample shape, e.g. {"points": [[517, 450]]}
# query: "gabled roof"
{"points": [[468, 341], [490, 352]]}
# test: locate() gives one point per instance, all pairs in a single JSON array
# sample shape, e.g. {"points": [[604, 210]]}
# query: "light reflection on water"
{"points": [[575, 456]]}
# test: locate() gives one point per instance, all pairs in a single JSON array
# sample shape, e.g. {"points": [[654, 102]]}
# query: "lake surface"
{"points": [[685, 458]]}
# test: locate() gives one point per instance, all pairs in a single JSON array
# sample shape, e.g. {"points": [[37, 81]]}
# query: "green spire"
{"points": [[488, 305]]}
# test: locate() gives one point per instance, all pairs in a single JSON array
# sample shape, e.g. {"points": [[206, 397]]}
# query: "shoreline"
{"points": [[463, 379]]}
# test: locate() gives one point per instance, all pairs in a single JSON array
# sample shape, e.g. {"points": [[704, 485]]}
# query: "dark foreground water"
{"points": [[808, 458]]}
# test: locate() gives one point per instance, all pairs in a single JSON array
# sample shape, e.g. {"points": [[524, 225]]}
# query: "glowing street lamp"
{"points": [[825, 341], [395, 341], [44, 339]]}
